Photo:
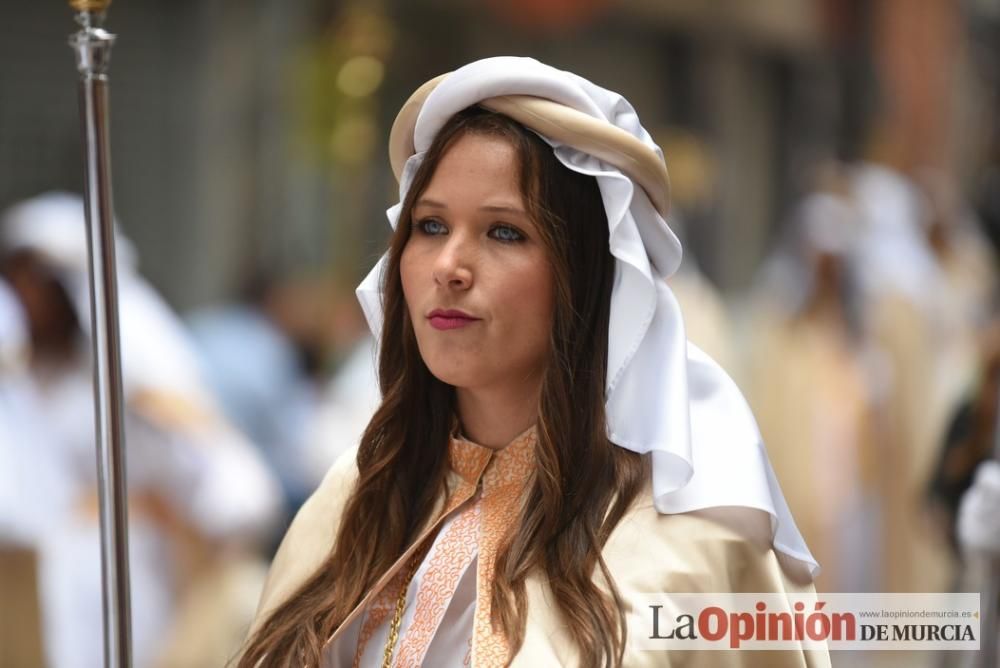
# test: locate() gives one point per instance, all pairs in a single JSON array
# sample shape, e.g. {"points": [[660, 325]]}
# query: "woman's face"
{"points": [[475, 273]]}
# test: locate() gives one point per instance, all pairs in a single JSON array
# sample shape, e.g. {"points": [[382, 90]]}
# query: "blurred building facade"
{"points": [[249, 133]]}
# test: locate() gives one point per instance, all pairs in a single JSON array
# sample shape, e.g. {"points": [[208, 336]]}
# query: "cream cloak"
{"points": [[712, 550]]}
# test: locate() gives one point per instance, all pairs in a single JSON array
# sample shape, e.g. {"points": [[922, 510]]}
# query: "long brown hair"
{"points": [[582, 484]]}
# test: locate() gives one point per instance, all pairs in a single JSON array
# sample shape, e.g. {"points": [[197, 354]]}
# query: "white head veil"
{"points": [[664, 396], [894, 256]]}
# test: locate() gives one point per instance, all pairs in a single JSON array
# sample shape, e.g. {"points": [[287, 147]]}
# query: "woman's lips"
{"points": [[450, 319]]}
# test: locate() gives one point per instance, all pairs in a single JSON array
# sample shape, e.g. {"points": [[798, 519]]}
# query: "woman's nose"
{"points": [[453, 265]]}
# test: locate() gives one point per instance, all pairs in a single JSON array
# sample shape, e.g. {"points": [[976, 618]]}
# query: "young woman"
{"points": [[547, 447]]}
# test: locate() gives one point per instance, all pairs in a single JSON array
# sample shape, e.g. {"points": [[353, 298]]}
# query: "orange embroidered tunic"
{"points": [[715, 550], [446, 620]]}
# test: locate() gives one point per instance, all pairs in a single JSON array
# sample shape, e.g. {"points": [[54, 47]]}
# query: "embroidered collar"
{"points": [[510, 465]]}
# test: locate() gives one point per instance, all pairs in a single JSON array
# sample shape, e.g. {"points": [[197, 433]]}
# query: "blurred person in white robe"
{"points": [[979, 536], [812, 382], [198, 491], [966, 486], [30, 492], [918, 319], [968, 268]]}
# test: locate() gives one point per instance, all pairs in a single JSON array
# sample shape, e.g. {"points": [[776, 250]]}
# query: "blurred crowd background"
{"points": [[836, 181]]}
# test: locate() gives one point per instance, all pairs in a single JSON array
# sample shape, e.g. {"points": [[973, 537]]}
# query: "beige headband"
{"points": [[555, 121]]}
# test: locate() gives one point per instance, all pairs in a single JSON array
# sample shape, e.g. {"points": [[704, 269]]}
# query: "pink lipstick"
{"points": [[450, 319]]}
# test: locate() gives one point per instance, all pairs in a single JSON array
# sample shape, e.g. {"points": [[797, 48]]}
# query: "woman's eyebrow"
{"points": [[492, 208], [434, 204]]}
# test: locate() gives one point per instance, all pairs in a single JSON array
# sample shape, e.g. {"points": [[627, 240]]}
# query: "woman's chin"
{"points": [[462, 372], [459, 379]]}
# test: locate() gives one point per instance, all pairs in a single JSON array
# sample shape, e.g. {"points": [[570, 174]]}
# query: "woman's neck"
{"points": [[493, 417]]}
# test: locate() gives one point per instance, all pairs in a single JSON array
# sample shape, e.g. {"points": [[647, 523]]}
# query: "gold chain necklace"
{"points": [[397, 616]]}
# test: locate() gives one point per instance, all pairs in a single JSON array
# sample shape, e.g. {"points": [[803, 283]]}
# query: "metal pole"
{"points": [[92, 45]]}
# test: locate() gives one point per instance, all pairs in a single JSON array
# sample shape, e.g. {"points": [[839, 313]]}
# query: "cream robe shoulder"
{"points": [[715, 550]]}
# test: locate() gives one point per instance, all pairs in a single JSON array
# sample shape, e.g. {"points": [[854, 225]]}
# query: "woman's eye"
{"points": [[431, 226], [506, 233]]}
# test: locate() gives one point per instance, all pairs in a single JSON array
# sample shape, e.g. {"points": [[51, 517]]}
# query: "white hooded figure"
{"points": [[979, 514], [31, 491], [813, 381], [194, 482], [910, 316]]}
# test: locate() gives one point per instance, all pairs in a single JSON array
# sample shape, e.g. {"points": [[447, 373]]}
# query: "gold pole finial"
{"points": [[95, 6]]}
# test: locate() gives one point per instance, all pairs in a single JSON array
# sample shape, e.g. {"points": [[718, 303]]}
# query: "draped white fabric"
{"points": [[664, 396]]}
